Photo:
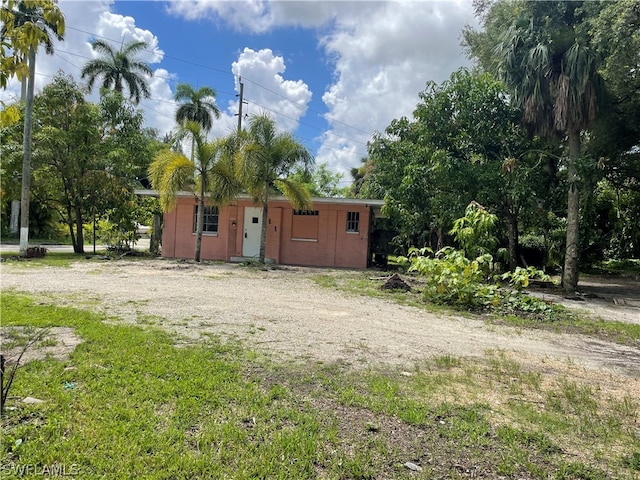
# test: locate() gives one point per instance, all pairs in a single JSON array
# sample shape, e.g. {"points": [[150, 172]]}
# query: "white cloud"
{"points": [[254, 15], [382, 60], [260, 16], [266, 90], [380, 55], [114, 26]]}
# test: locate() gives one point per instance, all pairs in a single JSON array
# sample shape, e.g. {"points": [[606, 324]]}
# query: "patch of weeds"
{"points": [[515, 436], [47, 342], [326, 281], [148, 319], [633, 461], [53, 259], [576, 470], [111, 422], [446, 362]]}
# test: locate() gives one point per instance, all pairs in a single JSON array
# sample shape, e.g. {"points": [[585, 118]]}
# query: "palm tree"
{"points": [[211, 176], [26, 13], [265, 159], [119, 68], [196, 105], [47, 19], [554, 77]]}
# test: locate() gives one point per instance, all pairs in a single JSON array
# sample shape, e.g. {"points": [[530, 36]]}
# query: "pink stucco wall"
{"points": [[320, 240]]}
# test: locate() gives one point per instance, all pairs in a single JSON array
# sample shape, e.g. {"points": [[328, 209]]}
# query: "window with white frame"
{"points": [[353, 222], [210, 224]]}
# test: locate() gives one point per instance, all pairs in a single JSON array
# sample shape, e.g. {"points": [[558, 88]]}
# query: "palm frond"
{"points": [[169, 173], [296, 192]]}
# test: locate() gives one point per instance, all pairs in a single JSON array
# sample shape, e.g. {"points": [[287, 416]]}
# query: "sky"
{"points": [[330, 72]]}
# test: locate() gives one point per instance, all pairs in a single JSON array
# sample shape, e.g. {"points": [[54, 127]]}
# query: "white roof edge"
{"points": [[345, 201]]}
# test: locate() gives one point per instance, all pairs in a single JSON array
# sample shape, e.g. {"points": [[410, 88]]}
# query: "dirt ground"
{"points": [[609, 297], [285, 312]]}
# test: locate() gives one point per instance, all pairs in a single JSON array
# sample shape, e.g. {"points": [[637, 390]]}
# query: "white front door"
{"points": [[252, 230]]}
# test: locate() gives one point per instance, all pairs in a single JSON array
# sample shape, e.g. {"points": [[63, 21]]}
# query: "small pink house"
{"points": [[335, 232]]}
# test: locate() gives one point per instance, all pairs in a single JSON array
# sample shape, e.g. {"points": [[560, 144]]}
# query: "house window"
{"points": [[304, 225], [353, 222], [210, 224]]}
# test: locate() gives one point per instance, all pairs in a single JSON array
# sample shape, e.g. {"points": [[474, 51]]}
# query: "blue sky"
{"points": [[332, 72]]}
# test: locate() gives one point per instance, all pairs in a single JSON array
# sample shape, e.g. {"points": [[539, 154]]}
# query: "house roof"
{"points": [[375, 205]]}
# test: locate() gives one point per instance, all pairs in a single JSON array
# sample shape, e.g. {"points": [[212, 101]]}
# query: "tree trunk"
{"points": [[512, 235], [69, 222], [78, 247], [440, 239], [156, 235], [200, 219], [571, 260], [26, 161], [263, 231]]}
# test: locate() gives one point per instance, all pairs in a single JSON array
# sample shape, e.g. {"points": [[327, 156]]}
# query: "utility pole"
{"points": [[26, 161], [241, 96]]}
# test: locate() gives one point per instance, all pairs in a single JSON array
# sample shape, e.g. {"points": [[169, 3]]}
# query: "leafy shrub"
{"points": [[452, 278], [520, 277], [474, 230]]}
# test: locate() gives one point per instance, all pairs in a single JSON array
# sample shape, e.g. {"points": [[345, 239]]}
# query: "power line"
{"points": [[207, 67]]}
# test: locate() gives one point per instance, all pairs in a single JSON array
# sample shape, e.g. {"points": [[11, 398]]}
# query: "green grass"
{"points": [[564, 320], [52, 259], [137, 404], [616, 267]]}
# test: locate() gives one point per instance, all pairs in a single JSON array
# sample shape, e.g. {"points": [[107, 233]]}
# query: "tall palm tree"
{"points": [[265, 159], [211, 175], [196, 105], [554, 77], [44, 19], [119, 68]]}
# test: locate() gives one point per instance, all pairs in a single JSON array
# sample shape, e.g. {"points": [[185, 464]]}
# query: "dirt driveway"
{"points": [[285, 312]]}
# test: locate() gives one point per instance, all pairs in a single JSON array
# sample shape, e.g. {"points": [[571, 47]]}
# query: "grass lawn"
{"points": [[133, 402]]}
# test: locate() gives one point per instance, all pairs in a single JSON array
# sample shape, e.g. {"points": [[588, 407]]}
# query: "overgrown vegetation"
{"points": [[128, 400]]}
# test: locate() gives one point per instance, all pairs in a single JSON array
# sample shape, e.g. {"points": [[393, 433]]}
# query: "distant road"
{"points": [[143, 244]]}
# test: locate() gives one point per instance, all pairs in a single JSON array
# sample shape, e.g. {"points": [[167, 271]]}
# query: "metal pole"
{"points": [[26, 162]]}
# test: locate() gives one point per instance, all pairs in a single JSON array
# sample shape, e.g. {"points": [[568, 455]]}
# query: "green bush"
{"points": [[452, 278]]}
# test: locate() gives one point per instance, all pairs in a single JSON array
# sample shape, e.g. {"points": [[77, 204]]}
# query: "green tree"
{"points": [[211, 175], [266, 160], [196, 106], [26, 25], [86, 157], [119, 68], [545, 56], [67, 147], [464, 144], [320, 181]]}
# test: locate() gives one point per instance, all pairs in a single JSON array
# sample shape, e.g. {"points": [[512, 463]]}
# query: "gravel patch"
{"points": [[284, 311]]}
